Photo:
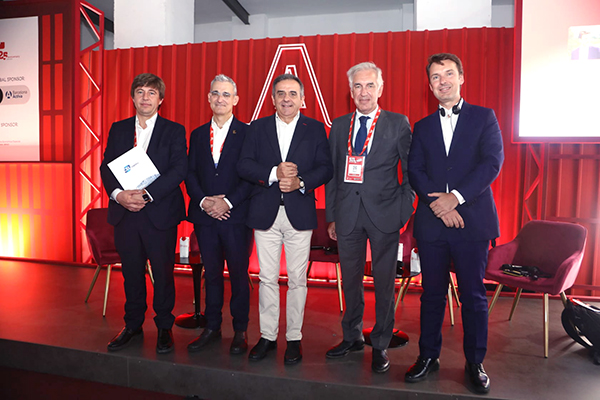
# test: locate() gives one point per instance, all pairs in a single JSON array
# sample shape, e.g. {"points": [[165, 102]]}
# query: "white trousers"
{"points": [[297, 250]]}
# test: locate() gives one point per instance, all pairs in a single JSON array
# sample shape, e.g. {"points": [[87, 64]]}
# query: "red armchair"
{"points": [[556, 248]]}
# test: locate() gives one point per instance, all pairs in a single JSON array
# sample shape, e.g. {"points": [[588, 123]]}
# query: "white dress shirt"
{"points": [[285, 133], [449, 122]]}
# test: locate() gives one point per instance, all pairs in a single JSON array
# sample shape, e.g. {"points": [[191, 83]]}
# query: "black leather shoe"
{"points": [[164, 342], [124, 338], [344, 348], [259, 351], [207, 336], [293, 352], [478, 377], [239, 344], [381, 362], [421, 368]]}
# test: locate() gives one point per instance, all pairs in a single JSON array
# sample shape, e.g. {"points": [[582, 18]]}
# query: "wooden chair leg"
{"points": [[564, 299], [339, 285], [450, 305], [515, 302], [406, 287], [149, 268], [454, 291], [250, 280], [546, 325], [400, 291], [495, 297], [98, 268], [106, 289]]}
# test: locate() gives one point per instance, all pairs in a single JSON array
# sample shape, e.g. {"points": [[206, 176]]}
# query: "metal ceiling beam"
{"points": [[108, 24], [238, 10]]}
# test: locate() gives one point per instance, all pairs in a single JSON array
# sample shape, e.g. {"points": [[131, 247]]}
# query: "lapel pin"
{"points": [[234, 132]]}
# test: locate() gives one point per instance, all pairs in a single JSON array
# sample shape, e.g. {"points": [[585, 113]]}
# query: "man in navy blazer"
{"points": [[286, 156], [218, 209], [146, 220], [456, 154]]}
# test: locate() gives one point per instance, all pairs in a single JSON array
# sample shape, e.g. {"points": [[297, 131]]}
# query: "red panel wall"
{"points": [[187, 70]]}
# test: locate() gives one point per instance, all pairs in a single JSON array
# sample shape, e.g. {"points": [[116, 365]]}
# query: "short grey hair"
{"points": [[224, 78], [363, 67]]}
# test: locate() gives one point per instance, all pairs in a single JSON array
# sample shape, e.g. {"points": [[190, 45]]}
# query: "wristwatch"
{"points": [[146, 196], [301, 182]]}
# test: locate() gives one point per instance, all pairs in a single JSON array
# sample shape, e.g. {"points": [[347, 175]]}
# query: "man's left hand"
{"points": [[445, 203], [287, 185], [219, 209]]}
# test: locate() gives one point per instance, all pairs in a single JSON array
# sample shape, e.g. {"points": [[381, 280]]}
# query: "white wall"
{"points": [[326, 24]]}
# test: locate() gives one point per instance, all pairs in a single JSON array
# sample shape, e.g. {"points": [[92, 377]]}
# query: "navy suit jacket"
{"points": [[203, 179], [168, 151], [309, 150], [472, 164]]}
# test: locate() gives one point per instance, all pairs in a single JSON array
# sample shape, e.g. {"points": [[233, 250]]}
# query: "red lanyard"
{"points": [[371, 130], [212, 139]]}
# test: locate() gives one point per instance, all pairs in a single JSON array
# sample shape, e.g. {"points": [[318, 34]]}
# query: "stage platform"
{"points": [[46, 327]]}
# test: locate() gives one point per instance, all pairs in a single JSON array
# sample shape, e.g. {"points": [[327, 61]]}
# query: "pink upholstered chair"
{"points": [[556, 248]]}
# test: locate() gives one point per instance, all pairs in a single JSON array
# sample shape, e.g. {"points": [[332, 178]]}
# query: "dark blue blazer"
{"points": [[168, 151], [203, 179], [309, 150], [472, 164]]}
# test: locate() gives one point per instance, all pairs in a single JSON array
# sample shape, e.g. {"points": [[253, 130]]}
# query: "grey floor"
{"points": [[45, 326]]}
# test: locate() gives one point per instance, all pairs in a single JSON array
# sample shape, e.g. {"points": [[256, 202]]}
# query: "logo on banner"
{"points": [[286, 61]]}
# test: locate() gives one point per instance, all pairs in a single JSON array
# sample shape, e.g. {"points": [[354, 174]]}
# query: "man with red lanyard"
{"points": [[366, 200], [218, 209]]}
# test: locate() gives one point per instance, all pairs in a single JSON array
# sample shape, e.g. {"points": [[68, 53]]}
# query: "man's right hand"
{"points": [[286, 170], [453, 219], [331, 231], [131, 200]]}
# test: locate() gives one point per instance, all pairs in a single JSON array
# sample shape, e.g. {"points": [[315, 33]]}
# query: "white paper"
{"points": [[134, 169]]}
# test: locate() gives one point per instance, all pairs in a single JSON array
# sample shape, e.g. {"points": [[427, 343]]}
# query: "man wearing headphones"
{"points": [[455, 155]]}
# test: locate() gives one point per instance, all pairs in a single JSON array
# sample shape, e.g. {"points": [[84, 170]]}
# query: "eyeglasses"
{"points": [[216, 94]]}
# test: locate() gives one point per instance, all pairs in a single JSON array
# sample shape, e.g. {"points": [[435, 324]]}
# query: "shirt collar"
{"points": [[296, 118], [371, 115], [149, 122], [226, 125]]}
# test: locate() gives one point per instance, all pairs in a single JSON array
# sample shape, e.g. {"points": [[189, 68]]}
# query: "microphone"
{"points": [[455, 109]]}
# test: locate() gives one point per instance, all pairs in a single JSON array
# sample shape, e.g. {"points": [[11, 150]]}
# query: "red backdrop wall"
{"points": [[187, 70]]}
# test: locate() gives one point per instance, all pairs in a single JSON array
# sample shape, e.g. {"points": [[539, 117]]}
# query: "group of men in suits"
{"points": [[262, 177]]}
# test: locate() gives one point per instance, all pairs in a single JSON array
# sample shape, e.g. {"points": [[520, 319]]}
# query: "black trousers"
{"points": [[138, 240]]}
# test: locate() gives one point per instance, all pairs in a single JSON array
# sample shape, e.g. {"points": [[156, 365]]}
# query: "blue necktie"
{"points": [[361, 135]]}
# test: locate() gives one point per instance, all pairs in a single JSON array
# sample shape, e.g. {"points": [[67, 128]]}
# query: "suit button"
{"points": [[357, 193], [449, 168], [217, 174]]}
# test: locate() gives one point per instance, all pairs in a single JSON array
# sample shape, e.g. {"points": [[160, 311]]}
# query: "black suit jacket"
{"points": [[309, 150], [168, 151], [472, 164], [203, 179]]}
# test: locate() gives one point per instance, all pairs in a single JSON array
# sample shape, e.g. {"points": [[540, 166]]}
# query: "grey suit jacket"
{"points": [[388, 203]]}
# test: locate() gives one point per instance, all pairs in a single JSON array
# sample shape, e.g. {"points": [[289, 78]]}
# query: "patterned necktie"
{"points": [[361, 135]]}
